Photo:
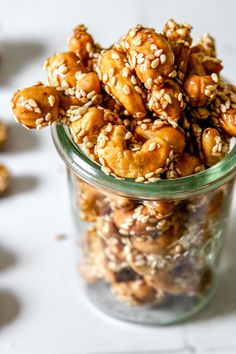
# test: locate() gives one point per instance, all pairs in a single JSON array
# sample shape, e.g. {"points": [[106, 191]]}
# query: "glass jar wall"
{"points": [[148, 253]]}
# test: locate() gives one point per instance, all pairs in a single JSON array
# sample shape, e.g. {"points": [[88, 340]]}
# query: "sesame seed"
{"points": [[140, 55], [109, 128], [153, 47], [133, 79], [37, 110], [63, 69], [158, 52], [138, 89], [163, 58], [64, 84], [113, 81], [167, 98], [140, 60], [106, 170], [180, 97], [222, 108], [152, 146], [128, 135], [149, 175], [48, 117], [115, 55], [143, 126], [32, 103], [51, 100], [139, 179], [39, 121], [214, 77], [126, 89], [125, 72], [155, 63], [140, 114], [132, 32]]}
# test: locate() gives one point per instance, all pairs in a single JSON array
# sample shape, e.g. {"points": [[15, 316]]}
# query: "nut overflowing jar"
{"points": [[146, 128]]}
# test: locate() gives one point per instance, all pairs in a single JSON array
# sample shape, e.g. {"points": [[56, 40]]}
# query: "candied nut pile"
{"points": [[153, 105], [147, 251]]}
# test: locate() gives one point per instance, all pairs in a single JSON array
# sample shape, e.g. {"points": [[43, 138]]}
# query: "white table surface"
{"points": [[42, 308]]}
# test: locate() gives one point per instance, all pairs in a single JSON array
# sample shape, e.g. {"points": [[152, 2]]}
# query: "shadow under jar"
{"points": [[148, 253]]}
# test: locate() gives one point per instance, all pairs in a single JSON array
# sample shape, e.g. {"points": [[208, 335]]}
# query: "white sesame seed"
{"points": [[48, 117], [39, 121], [113, 81], [153, 47], [214, 77], [167, 98], [51, 100], [163, 58], [140, 60], [149, 175], [138, 89], [109, 128], [152, 146], [37, 110], [63, 69], [155, 63], [32, 102], [222, 108], [128, 135], [126, 89], [139, 179], [158, 52], [106, 170], [125, 72], [133, 79], [115, 55]]}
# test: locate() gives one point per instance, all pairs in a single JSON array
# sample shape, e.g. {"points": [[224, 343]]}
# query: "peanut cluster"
{"points": [[151, 106]]}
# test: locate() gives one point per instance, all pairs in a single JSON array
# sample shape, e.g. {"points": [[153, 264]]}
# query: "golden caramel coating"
{"points": [[118, 80], [95, 265], [91, 201], [159, 244], [182, 279], [200, 90], [182, 53], [82, 44], [188, 164], [166, 101], [4, 179], [150, 55], [36, 106], [213, 147], [174, 136], [176, 32], [3, 134], [90, 123], [228, 122], [123, 161], [62, 69], [136, 292], [88, 82], [161, 208], [141, 221]]}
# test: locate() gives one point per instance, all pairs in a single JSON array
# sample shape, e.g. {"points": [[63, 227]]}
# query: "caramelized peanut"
{"points": [[36, 106]]}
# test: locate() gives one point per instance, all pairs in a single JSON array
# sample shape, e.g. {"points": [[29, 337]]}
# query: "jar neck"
{"points": [[175, 189]]}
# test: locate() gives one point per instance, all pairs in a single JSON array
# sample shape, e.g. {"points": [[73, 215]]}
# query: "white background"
{"points": [[42, 309]]}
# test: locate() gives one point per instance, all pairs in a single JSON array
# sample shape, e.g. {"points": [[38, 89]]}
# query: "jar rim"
{"points": [[178, 188]]}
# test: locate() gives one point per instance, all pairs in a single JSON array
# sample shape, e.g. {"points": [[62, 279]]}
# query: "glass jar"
{"points": [[148, 253]]}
